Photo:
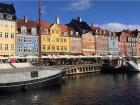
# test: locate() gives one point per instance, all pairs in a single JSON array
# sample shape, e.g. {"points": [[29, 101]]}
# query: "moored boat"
{"points": [[24, 78]]}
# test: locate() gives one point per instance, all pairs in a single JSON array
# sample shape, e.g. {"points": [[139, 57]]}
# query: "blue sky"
{"points": [[100, 12]]}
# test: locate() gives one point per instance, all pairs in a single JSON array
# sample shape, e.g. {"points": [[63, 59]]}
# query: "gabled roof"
{"points": [[29, 24], [46, 25], [64, 28]]}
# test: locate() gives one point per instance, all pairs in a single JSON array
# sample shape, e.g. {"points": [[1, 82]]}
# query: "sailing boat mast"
{"points": [[39, 32]]}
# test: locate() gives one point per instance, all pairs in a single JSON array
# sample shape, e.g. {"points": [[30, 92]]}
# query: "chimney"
{"points": [[25, 19], [79, 19], [57, 20]]}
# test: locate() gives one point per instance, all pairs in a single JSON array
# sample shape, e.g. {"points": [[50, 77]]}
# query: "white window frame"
{"points": [[23, 30], [1, 15], [9, 16]]}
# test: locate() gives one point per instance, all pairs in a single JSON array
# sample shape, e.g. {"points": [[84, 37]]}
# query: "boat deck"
{"points": [[27, 69]]}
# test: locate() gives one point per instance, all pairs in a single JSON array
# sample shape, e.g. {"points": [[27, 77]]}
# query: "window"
{"points": [[65, 40], [12, 25], [25, 49], [46, 31], [20, 39], [57, 47], [53, 47], [29, 39], [53, 39], [48, 39], [12, 35], [76, 33], [48, 47], [23, 30], [44, 47], [33, 31], [12, 46], [6, 46], [71, 32], [0, 34], [0, 46], [6, 24], [57, 39], [6, 34], [25, 39], [65, 47], [20, 49], [65, 33], [29, 49], [1, 15], [36, 40], [36, 50], [9, 16], [61, 47]]}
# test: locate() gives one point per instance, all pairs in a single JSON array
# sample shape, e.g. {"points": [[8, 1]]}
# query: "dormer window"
{"points": [[71, 32], [33, 31], [65, 33], [1, 15], [46, 31], [9, 16], [77, 33], [23, 30]]}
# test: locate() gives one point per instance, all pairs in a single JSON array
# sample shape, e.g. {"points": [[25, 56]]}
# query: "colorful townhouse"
{"points": [[123, 42], [27, 38], [54, 38], [101, 39], [75, 42], [135, 43], [113, 45], [7, 29], [87, 34]]}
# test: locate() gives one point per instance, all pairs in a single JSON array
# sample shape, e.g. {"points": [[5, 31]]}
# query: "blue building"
{"points": [[26, 38], [113, 45]]}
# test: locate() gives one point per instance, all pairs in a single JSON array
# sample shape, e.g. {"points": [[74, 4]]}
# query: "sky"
{"points": [[114, 15]]}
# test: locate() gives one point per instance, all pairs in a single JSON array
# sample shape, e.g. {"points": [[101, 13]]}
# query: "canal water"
{"points": [[87, 89]]}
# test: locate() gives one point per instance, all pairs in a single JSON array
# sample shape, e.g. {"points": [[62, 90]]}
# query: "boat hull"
{"points": [[36, 83]]}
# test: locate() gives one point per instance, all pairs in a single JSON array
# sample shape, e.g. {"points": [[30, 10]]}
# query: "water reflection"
{"points": [[85, 89]]}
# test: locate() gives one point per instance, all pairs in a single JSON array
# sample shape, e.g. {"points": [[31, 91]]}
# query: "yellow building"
{"points": [[7, 30], [55, 39]]}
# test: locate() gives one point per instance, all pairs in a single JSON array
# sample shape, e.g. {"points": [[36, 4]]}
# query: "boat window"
{"points": [[34, 74]]}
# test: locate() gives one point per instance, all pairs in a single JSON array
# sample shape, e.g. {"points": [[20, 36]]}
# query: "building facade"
{"points": [[101, 39], [113, 45], [88, 44], [7, 29], [75, 42], [55, 39], [27, 38], [123, 43], [138, 44], [87, 34]]}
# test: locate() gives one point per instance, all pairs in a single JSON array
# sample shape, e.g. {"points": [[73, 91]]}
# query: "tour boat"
{"points": [[15, 76]]}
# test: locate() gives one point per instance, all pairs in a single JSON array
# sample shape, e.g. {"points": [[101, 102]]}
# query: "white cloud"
{"points": [[116, 27], [79, 5]]}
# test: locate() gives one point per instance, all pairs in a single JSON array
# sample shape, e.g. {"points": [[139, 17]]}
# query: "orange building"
{"points": [[88, 44]]}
